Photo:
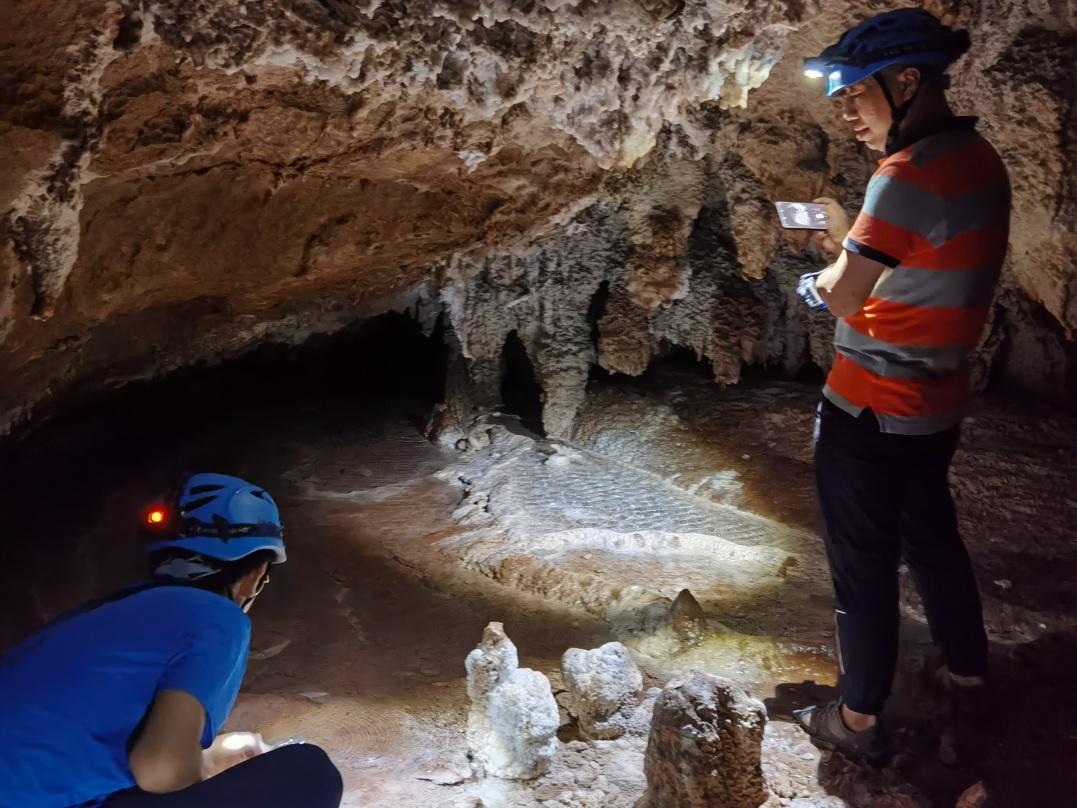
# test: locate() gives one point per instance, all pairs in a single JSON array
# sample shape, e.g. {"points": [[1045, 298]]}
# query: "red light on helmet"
{"points": [[156, 517]]}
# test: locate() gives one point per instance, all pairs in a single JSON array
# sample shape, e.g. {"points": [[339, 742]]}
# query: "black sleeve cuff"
{"points": [[870, 253]]}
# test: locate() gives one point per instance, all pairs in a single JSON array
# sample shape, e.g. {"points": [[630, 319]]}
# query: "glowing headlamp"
{"points": [[156, 517], [815, 67]]}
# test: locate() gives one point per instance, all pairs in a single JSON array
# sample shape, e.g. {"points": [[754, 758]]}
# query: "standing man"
{"points": [[120, 702], [911, 288]]}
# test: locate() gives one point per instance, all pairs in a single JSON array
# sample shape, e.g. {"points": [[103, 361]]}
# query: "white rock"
{"points": [[604, 687], [513, 721]]}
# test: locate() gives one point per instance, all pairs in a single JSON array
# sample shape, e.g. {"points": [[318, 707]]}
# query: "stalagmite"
{"points": [[705, 747], [512, 724], [605, 688]]}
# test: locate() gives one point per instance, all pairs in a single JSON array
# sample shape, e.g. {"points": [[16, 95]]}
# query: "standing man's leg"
{"points": [[940, 563], [296, 776], [860, 493]]}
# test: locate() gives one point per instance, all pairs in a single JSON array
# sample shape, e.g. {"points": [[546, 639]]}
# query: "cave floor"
{"points": [[401, 550]]}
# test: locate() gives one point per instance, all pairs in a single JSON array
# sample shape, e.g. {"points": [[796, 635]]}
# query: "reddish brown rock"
{"points": [[705, 747]]}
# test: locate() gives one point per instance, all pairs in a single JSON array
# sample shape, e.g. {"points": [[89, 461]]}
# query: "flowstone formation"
{"points": [[183, 181]]}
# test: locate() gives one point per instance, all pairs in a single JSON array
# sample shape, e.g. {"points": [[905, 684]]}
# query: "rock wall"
{"points": [[179, 181]]}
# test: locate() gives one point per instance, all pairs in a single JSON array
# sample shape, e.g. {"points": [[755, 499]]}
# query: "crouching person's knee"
{"points": [[311, 765]]}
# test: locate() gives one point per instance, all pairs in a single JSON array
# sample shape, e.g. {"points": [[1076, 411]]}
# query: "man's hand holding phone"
{"points": [[837, 227]]}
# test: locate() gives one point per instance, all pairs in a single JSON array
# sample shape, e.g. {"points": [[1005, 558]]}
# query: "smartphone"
{"points": [[802, 215]]}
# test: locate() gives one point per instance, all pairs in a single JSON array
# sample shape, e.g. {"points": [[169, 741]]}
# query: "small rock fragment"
{"points": [[446, 769]]}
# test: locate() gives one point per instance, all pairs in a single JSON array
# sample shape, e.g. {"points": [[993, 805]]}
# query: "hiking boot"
{"points": [[823, 722]]}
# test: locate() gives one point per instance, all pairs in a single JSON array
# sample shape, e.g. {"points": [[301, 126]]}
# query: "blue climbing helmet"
{"points": [[907, 36], [216, 516]]}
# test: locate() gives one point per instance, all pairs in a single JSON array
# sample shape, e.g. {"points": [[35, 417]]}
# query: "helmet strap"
{"points": [[897, 115]]}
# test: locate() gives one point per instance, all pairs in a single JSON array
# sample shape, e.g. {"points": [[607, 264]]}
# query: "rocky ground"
{"points": [[402, 550]]}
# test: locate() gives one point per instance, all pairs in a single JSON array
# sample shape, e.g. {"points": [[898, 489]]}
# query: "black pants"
{"points": [[296, 776], [882, 494]]}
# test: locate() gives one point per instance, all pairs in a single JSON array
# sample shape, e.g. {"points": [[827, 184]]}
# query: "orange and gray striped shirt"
{"points": [[937, 215]]}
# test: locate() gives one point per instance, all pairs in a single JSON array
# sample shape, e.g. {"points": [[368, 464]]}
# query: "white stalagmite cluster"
{"points": [[512, 725]]}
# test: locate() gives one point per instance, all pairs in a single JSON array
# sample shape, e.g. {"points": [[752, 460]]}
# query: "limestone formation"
{"points": [[183, 181], [605, 688], [687, 618], [513, 721], [705, 747]]}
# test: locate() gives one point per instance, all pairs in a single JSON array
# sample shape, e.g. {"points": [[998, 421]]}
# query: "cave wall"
{"points": [[182, 180]]}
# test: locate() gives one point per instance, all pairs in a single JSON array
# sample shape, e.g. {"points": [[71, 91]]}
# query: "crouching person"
{"points": [[120, 703]]}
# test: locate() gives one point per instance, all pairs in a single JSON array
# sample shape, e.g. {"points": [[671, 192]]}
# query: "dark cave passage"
{"points": [[521, 393]]}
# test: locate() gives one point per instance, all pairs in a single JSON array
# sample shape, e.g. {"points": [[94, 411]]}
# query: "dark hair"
{"points": [[227, 572]]}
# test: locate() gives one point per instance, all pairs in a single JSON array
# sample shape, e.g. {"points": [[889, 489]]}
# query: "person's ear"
{"points": [[247, 586], [908, 82]]}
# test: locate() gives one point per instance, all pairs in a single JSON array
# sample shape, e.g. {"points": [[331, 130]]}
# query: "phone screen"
{"points": [[802, 215]]}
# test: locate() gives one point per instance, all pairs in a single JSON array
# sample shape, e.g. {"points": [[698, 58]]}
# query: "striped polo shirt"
{"points": [[937, 215]]}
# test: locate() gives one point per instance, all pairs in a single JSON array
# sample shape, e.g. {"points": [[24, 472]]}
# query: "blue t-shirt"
{"points": [[72, 694]]}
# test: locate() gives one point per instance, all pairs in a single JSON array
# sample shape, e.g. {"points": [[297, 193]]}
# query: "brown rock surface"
{"points": [[181, 181], [705, 747]]}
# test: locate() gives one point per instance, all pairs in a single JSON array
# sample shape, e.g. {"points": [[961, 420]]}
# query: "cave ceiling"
{"points": [[180, 181]]}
